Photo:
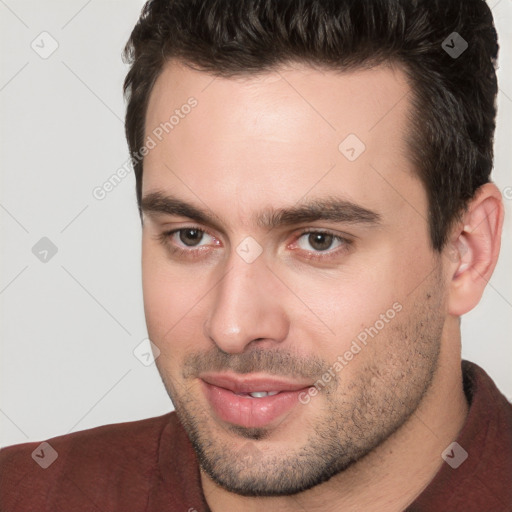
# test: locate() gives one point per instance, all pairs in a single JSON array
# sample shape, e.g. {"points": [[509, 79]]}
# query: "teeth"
{"points": [[262, 394]]}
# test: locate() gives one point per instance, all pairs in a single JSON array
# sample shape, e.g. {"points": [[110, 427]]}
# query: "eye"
{"points": [[319, 241], [186, 242], [190, 236], [193, 242], [322, 244]]}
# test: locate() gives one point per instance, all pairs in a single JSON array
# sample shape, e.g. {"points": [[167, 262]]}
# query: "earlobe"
{"points": [[476, 247]]}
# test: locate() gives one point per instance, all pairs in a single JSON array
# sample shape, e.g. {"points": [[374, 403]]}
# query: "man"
{"points": [[314, 185]]}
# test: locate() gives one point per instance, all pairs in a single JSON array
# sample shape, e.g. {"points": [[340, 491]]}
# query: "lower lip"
{"points": [[247, 411]]}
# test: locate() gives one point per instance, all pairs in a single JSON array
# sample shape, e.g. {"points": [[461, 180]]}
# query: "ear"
{"points": [[474, 248]]}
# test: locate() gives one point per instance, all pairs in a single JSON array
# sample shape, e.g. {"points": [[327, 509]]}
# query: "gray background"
{"points": [[70, 324]]}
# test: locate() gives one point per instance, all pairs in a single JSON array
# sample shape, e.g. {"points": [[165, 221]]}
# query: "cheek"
{"points": [[343, 303], [364, 303], [174, 302], [162, 301]]}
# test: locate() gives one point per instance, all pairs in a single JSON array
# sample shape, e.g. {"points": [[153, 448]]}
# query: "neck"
{"points": [[394, 474]]}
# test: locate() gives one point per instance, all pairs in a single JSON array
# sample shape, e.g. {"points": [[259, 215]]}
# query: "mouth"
{"points": [[251, 401]]}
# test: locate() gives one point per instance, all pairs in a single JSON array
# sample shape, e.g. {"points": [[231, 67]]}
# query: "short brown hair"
{"points": [[454, 103]]}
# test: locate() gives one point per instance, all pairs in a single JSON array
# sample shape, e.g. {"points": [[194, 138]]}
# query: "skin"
{"points": [[271, 141]]}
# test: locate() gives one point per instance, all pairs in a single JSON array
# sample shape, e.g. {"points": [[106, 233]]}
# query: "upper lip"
{"points": [[249, 383]]}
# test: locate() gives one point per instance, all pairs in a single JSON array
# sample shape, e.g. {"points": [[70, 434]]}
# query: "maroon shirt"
{"points": [[150, 466]]}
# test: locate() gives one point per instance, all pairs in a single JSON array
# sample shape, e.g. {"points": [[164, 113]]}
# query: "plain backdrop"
{"points": [[70, 281]]}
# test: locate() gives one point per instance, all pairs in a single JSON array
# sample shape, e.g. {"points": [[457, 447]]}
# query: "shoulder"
{"points": [[114, 439], [483, 479], [484, 397], [84, 462]]}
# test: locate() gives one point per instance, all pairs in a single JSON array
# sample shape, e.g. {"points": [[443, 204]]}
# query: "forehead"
{"points": [[280, 135]]}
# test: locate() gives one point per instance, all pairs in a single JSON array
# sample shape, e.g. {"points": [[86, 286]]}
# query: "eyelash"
{"points": [[196, 253]]}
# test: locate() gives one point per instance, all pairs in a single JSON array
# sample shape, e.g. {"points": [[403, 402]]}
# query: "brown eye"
{"points": [[322, 245], [190, 237], [320, 241]]}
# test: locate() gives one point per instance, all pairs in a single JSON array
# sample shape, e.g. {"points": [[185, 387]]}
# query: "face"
{"points": [[288, 279]]}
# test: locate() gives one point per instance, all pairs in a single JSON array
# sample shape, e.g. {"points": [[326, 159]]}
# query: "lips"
{"points": [[251, 401]]}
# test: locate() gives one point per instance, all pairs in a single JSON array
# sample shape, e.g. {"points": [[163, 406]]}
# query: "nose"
{"points": [[248, 308]]}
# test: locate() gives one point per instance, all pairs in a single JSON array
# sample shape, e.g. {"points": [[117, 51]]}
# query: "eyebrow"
{"points": [[330, 208]]}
